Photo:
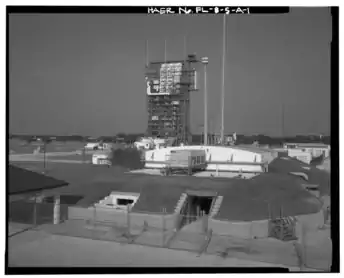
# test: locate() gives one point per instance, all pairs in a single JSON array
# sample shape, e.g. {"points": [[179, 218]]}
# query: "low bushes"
{"points": [[128, 158]]}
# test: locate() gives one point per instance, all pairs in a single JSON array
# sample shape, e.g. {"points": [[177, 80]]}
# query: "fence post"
{"points": [[251, 238], [269, 219], [35, 212], [83, 155], [128, 219], [205, 222], [163, 225], [303, 245], [94, 219], [282, 223], [300, 244]]}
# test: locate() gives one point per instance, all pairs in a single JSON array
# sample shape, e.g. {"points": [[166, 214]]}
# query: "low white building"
{"points": [[144, 143], [218, 158], [301, 155], [102, 158], [121, 201], [314, 149]]}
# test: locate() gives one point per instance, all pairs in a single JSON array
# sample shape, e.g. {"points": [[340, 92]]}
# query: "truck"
{"points": [[185, 158]]}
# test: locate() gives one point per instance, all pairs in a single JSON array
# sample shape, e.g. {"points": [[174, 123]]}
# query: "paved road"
{"points": [[54, 250]]}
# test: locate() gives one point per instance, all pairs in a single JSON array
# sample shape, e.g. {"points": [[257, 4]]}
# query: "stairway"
{"points": [[216, 206], [180, 203]]}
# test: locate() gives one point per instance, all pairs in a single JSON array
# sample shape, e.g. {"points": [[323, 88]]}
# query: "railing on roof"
{"points": [[213, 162]]}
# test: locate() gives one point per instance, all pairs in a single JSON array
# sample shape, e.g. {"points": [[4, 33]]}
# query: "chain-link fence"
{"points": [[175, 231]]}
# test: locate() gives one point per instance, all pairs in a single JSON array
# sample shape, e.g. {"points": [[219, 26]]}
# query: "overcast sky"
{"points": [[84, 73]]}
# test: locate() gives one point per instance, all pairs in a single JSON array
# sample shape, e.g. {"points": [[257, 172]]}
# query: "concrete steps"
{"points": [[216, 207], [180, 203]]}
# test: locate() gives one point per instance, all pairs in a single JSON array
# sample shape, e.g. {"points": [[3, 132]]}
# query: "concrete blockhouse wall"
{"points": [[120, 218], [247, 230]]}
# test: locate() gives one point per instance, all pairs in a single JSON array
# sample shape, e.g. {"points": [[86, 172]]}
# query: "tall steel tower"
{"points": [[168, 87]]}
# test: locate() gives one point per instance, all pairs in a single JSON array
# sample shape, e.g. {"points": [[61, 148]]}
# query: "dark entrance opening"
{"points": [[199, 205], [195, 206], [124, 202]]}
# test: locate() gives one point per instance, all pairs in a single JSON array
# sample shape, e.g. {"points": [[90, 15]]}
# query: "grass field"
{"points": [[19, 146], [243, 199], [71, 157]]}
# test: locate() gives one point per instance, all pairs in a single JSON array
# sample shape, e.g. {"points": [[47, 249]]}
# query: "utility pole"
{"points": [[44, 156], [165, 51], [147, 54], [211, 132], [223, 80], [204, 61], [282, 119], [187, 68]]}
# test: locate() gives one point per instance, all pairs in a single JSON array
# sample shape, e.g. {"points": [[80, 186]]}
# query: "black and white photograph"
{"points": [[172, 139]]}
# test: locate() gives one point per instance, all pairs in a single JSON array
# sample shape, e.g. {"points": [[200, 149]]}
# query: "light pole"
{"points": [[44, 157], [204, 61], [223, 81]]}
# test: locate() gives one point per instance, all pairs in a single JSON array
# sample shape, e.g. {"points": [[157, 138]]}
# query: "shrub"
{"points": [[128, 158]]}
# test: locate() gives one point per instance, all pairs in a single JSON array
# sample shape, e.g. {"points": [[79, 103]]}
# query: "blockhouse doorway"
{"points": [[197, 204]]}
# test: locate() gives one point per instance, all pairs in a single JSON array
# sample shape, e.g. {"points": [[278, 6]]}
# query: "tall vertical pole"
{"points": [[147, 54], [185, 49], [223, 80], [204, 61], [282, 118], [205, 107], [35, 212], [165, 52], [186, 68], [45, 146], [165, 60], [148, 108], [211, 132]]}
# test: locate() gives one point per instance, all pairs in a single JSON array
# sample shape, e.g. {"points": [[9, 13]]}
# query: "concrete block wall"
{"points": [[120, 218], [311, 221], [76, 213], [246, 230], [260, 229], [257, 229]]}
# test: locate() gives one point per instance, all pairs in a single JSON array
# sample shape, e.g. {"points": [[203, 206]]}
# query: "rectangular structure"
{"points": [[168, 98]]}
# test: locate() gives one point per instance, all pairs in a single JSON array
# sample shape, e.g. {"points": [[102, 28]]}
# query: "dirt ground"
{"points": [[63, 251], [221, 248]]}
